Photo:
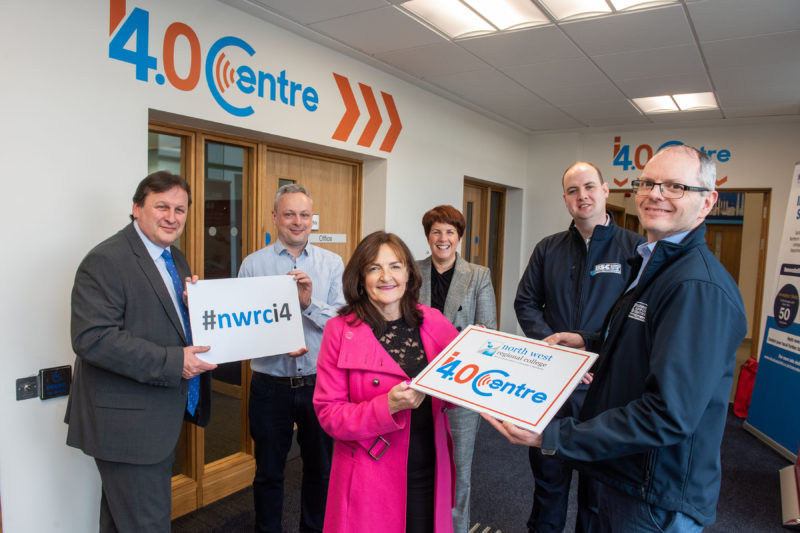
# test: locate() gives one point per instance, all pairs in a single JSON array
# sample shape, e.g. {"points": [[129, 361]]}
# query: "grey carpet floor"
{"points": [[503, 487]]}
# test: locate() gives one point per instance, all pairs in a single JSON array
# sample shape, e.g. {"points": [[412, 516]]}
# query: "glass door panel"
{"points": [[165, 152], [222, 227]]}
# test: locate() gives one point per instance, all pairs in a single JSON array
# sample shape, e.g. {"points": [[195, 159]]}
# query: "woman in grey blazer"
{"points": [[463, 293]]}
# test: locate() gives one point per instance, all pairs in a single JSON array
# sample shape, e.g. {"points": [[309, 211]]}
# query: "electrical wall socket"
{"points": [[27, 388]]}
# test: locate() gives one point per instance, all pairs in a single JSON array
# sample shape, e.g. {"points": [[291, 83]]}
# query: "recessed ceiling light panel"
{"points": [[576, 9], [656, 104], [695, 101], [449, 16], [622, 5], [508, 14]]}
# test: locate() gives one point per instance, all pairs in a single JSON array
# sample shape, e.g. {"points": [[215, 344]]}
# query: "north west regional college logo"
{"points": [[490, 348], [234, 84]]}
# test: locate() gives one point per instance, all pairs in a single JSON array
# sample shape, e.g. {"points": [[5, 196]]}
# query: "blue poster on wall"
{"points": [[774, 413]]}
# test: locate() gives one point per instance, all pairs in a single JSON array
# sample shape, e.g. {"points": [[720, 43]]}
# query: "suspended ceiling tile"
{"points": [[762, 111], [716, 20], [641, 30], [754, 94], [599, 122], [546, 43], [617, 109], [579, 70], [434, 59], [562, 95], [696, 82], [755, 76], [310, 11], [761, 50], [539, 118], [686, 116], [378, 31], [672, 60], [498, 94], [485, 85]]}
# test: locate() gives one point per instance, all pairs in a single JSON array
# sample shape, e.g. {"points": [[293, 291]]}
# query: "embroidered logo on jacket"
{"points": [[606, 268], [638, 311]]}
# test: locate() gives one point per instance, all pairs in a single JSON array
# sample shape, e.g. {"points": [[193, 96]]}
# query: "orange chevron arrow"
{"points": [[721, 181], [351, 113], [396, 126], [375, 120], [620, 183]]}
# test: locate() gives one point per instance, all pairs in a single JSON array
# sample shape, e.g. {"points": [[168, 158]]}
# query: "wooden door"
{"points": [[482, 243], [725, 241], [472, 246], [233, 181], [335, 188]]}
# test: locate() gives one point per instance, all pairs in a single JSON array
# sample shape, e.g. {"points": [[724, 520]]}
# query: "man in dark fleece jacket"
{"points": [[572, 279], [651, 426]]}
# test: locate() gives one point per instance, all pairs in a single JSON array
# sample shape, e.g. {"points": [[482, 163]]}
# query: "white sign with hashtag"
{"points": [[243, 318]]}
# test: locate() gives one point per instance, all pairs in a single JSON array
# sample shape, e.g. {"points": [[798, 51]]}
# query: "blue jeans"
{"points": [[621, 513], [274, 409], [463, 427]]}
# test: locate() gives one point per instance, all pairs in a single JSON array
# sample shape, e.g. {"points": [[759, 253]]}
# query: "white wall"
{"points": [[762, 157], [74, 146]]}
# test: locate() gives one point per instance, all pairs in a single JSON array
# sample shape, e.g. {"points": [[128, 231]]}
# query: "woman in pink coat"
{"points": [[392, 460]]}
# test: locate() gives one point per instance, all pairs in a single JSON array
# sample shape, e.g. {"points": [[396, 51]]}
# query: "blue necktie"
{"points": [[194, 383]]}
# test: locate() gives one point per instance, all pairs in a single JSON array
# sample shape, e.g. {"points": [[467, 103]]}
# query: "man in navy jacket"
{"points": [[572, 279], [651, 427]]}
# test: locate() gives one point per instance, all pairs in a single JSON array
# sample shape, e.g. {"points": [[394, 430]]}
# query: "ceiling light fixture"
{"points": [[451, 17], [652, 105], [623, 5], [460, 19], [656, 104], [509, 14], [695, 101], [569, 9], [578, 9]]}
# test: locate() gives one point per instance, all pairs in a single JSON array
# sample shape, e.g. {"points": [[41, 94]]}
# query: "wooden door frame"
{"points": [[201, 483], [205, 483], [761, 265], [485, 223]]}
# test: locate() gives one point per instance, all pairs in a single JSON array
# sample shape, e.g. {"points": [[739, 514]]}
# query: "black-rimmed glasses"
{"points": [[668, 190]]}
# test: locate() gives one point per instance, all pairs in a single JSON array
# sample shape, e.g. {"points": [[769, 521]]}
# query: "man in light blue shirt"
{"points": [[282, 388]]}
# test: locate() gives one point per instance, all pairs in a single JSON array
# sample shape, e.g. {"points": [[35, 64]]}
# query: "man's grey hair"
{"points": [[288, 189], [707, 171]]}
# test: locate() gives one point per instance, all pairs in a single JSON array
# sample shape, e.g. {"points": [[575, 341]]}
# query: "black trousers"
{"points": [[553, 477], [275, 406]]}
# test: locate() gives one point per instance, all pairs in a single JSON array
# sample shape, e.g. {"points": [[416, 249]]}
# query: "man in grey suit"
{"points": [[135, 368], [463, 292]]}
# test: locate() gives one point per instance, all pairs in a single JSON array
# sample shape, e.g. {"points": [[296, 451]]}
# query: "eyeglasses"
{"points": [[668, 190]]}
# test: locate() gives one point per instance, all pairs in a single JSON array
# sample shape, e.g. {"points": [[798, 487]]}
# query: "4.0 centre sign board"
{"points": [[512, 378]]}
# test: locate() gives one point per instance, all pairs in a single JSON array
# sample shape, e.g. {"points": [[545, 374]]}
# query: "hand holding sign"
{"points": [[514, 434]]}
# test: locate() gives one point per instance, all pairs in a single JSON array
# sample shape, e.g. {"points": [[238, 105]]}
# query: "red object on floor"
{"points": [[744, 388]]}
